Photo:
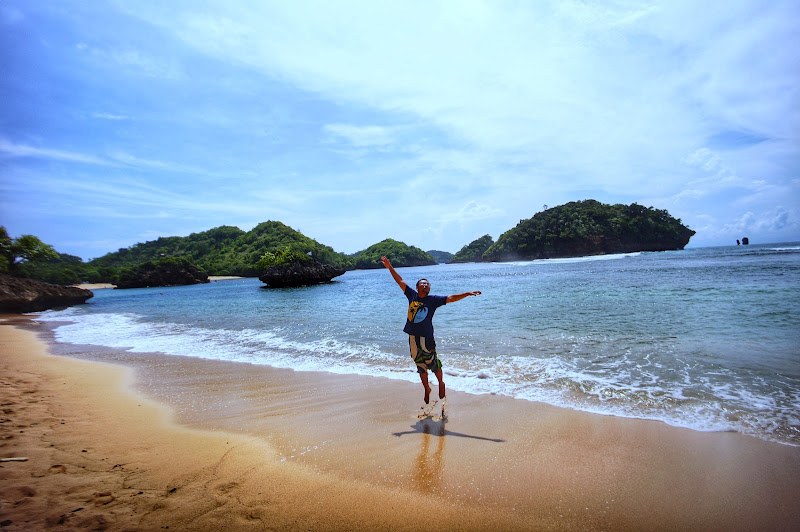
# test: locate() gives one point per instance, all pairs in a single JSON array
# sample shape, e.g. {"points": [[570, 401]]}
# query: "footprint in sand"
{"points": [[103, 498], [57, 469], [18, 492], [225, 488]]}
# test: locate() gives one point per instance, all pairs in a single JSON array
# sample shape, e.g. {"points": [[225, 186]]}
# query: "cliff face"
{"points": [[299, 274], [602, 245], [27, 295]]}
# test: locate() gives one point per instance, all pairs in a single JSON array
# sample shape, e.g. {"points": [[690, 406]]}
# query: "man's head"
{"points": [[423, 287]]}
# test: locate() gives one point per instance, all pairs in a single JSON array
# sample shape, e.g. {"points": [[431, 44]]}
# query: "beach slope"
{"points": [[84, 449]]}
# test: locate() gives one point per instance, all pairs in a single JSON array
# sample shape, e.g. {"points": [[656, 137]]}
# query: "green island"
{"points": [[398, 253], [473, 252], [579, 228], [583, 228]]}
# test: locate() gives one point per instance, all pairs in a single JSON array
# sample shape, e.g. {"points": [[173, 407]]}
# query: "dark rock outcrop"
{"points": [[166, 272], [27, 295], [299, 274]]}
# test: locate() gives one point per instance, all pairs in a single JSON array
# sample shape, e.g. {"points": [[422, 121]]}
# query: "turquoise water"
{"points": [[705, 338]]}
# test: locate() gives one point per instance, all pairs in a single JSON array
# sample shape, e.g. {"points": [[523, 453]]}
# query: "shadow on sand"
{"points": [[437, 428]]}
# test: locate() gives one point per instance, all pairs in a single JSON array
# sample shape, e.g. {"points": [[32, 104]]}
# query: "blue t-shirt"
{"points": [[420, 313]]}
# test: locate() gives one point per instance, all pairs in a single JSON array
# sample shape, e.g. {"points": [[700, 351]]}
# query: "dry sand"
{"points": [[94, 286], [156, 442]]}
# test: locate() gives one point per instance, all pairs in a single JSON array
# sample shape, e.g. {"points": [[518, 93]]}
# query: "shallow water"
{"points": [[705, 338]]}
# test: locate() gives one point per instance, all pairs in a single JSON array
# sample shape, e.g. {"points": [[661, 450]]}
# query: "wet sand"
{"points": [[151, 441]]}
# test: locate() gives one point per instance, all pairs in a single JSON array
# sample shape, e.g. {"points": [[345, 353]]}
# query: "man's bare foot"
{"points": [[427, 395]]}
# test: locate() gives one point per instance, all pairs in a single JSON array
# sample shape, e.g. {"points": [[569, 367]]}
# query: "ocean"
{"points": [[702, 338]]}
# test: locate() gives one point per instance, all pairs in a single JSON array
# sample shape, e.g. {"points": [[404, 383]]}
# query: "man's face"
{"points": [[423, 287]]}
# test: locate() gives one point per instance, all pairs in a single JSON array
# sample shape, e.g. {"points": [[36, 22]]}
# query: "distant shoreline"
{"points": [[99, 286]]}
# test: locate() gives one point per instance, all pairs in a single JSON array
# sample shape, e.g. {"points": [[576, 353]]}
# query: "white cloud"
{"points": [[483, 109], [470, 212], [515, 80], [772, 221], [127, 159], [110, 116], [133, 60], [10, 149], [363, 136]]}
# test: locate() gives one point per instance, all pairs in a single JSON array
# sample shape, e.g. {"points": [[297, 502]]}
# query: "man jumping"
{"points": [[419, 327]]}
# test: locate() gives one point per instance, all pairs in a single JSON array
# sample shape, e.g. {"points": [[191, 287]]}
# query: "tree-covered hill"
{"points": [[575, 229], [473, 252], [168, 271], [225, 250], [442, 257], [583, 228], [61, 269], [398, 253], [208, 248]]}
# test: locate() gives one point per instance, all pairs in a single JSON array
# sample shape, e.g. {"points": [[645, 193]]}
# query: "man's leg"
{"points": [[439, 376], [424, 378], [416, 345]]}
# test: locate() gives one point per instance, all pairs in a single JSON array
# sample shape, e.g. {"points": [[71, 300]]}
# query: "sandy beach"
{"points": [[100, 286], [149, 442]]}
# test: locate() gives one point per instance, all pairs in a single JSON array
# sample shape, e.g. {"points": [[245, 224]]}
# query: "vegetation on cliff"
{"points": [[14, 252], [399, 253], [473, 252], [282, 257], [589, 227], [62, 269], [225, 250], [442, 257], [168, 271], [575, 229]]}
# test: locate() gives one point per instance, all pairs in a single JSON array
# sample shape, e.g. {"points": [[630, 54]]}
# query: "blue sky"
{"points": [[433, 123]]}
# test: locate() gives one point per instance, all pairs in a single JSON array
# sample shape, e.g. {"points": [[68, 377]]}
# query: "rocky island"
{"points": [[584, 228], [292, 267], [26, 295], [299, 274]]}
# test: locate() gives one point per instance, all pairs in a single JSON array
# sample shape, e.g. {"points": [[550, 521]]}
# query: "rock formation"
{"points": [[27, 295], [299, 274]]}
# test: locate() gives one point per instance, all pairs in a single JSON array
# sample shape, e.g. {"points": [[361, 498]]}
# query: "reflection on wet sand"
{"points": [[427, 472], [427, 468]]}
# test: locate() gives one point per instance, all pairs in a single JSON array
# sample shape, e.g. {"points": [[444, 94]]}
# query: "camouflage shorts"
{"points": [[424, 355]]}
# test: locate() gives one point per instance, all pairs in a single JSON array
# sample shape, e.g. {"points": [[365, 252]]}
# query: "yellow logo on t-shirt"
{"points": [[414, 314]]}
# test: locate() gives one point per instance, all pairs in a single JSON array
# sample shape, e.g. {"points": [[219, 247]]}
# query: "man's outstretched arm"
{"points": [[396, 276], [459, 297]]}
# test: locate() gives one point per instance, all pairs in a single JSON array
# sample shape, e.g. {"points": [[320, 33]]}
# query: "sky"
{"points": [[430, 122]]}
